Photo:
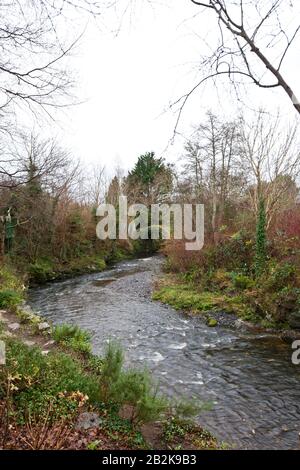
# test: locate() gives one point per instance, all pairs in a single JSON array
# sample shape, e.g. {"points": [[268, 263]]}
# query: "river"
{"points": [[249, 378]]}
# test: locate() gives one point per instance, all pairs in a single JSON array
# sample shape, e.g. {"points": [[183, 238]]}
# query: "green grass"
{"points": [[11, 288], [184, 296], [9, 299], [73, 337], [37, 380]]}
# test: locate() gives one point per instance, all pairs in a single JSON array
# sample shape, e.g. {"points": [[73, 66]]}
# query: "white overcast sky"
{"points": [[129, 79]]}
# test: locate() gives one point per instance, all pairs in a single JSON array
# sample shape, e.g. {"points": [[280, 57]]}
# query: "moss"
{"points": [[183, 296], [212, 322]]}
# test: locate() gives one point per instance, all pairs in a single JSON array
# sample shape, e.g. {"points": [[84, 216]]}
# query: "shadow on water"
{"points": [[249, 378]]}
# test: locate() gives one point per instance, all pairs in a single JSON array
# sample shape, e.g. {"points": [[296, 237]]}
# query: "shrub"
{"points": [[280, 276], [133, 388], [41, 271], [111, 368], [220, 279], [136, 389]]}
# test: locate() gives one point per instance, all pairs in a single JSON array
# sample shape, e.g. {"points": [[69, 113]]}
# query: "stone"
{"points": [[152, 434], [88, 420], [212, 322], [45, 352], [14, 326], [44, 326], [50, 343], [239, 324], [27, 309], [29, 343]]}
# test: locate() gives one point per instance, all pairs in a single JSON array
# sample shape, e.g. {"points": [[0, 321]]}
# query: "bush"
{"points": [[132, 387], [280, 276], [136, 389], [111, 368], [41, 271]]}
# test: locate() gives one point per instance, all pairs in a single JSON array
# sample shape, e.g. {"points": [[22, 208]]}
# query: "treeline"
{"points": [[48, 204], [244, 172], [247, 175]]}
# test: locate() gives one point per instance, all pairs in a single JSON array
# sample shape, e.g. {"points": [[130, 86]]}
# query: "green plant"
{"points": [[185, 409], [280, 276], [131, 387], [241, 281], [9, 299], [111, 368], [38, 380], [136, 389], [72, 336], [94, 445], [174, 429], [41, 270], [261, 240]]}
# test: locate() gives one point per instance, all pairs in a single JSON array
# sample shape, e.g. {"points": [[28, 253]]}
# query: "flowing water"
{"points": [[249, 378]]}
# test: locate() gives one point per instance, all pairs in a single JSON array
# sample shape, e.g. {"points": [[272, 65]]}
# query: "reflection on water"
{"points": [[249, 378]]}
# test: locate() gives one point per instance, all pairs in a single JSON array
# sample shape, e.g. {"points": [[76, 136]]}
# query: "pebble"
{"points": [[44, 326], [14, 326], [88, 420]]}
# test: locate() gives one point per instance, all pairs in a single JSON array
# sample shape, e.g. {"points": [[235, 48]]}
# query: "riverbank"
{"points": [[56, 394], [247, 378], [45, 270], [229, 308]]}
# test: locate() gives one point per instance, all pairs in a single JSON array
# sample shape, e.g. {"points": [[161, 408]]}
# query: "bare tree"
{"points": [[212, 156], [33, 46], [96, 185], [254, 40], [270, 157], [29, 158]]}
